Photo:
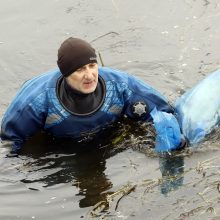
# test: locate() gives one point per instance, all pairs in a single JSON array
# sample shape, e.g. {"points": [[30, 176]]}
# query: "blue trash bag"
{"points": [[168, 131], [198, 110]]}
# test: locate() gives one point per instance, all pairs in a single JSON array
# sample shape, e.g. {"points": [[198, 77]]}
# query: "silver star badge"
{"points": [[139, 108]]}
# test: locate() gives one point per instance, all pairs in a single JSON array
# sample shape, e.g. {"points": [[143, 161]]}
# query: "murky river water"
{"points": [[169, 44]]}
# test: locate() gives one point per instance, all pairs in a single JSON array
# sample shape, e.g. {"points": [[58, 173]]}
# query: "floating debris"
{"points": [[108, 208], [104, 205]]}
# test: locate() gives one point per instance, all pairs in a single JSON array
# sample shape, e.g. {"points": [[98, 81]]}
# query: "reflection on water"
{"points": [[46, 162], [172, 169], [83, 168]]}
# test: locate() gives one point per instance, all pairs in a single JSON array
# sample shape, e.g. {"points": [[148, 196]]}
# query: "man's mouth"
{"points": [[89, 83]]}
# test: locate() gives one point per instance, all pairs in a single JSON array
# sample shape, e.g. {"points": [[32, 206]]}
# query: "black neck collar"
{"points": [[78, 103]]}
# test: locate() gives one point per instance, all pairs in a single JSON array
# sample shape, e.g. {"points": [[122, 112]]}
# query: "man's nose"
{"points": [[88, 73]]}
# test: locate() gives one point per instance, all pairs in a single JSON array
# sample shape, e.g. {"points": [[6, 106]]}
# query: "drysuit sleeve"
{"points": [[20, 124], [145, 103], [141, 99]]}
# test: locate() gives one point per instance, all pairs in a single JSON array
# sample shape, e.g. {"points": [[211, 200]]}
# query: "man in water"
{"points": [[78, 99]]}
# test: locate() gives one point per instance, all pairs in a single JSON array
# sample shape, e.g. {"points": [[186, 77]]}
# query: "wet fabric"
{"points": [[198, 110], [36, 106]]}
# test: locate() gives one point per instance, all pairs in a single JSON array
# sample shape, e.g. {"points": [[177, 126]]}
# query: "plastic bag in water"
{"points": [[167, 129], [198, 110]]}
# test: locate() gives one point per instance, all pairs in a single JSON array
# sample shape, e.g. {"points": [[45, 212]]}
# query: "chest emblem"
{"points": [[139, 109]]}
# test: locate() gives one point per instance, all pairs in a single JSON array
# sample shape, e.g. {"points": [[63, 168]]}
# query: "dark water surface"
{"points": [[169, 44]]}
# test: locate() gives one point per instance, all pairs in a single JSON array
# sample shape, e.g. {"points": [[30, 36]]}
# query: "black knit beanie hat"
{"points": [[73, 54]]}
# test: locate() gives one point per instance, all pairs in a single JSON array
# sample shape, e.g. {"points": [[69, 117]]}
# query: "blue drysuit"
{"points": [[36, 106]]}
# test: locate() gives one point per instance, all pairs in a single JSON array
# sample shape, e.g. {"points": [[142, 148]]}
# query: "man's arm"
{"points": [[145, 103], [20, 124]]}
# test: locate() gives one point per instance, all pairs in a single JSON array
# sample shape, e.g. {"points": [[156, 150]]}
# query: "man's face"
{"points": [[84, 79]]}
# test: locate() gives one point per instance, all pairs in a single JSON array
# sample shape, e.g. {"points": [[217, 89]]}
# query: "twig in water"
{"points": [[132, 188], [100, 58], [111, 32], [218, 187]]}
